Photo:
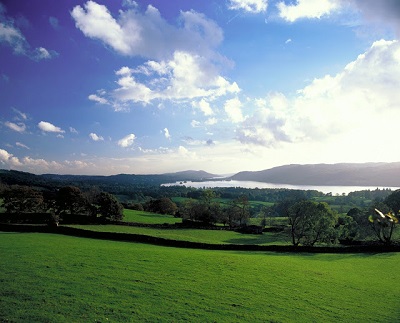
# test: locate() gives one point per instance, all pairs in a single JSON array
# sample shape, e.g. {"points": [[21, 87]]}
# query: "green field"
{"points": [[148, 217], [51, 278], [193, 235]]}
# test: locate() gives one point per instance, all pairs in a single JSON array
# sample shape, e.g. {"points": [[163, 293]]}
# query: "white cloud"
{"points": [[253, 6], [22, 115], [73, 130], [48, 127], [233, 108], [211, 121], [362, 102], [204, 107], [147, 34], [20, 127], [127, 141], [42, 53], [19, 144], [184, 77], [8, 159], [307, 9], [195, 123], [166, 133], [182, 65], [95, 137]]}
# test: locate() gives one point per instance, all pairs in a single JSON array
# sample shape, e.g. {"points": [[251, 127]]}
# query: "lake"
{"points": [[335, 190]]}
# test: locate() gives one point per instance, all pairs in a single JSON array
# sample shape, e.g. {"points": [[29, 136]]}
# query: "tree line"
{"points": [[66, 204]]}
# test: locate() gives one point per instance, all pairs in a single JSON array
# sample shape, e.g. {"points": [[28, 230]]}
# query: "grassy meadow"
{"points": [[54, 278]]}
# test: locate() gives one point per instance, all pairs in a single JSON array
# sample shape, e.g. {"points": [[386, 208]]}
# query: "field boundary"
{"points": [[140, 238]]}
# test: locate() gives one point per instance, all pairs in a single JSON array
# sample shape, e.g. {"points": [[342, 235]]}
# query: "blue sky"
{"points": [[122, 86]]}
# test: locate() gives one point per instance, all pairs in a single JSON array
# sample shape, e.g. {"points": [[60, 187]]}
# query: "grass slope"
{"points": [[51, 278]]}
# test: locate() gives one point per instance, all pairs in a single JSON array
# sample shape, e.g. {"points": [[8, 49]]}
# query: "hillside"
{"points": [[365, 174]]}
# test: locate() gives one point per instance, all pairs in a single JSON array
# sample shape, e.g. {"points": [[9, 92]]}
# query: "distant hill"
{"points": [[363, 174], [51, 180]]}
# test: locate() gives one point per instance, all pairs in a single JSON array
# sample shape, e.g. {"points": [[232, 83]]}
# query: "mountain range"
{"points": [[343, 174]]}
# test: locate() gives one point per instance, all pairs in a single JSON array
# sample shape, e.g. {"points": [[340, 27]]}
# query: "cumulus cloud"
{"points": [[147, 34], [20, 127], [48, 127], [185, 76], [307, 9], [363, 98], [12, 36], [7, 159], [233, 108], [127, 141], [95, 137]]}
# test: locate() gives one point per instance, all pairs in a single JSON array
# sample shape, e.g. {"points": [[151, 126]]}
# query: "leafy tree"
{"points": [[163, 205], [348, 228], [393, 201], [22, 199], [70, 199], [311, 222], [109, 207], [242, 209], [383, 225]]}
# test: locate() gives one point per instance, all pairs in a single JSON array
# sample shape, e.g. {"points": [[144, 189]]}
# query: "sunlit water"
{"points": [[335, 190]]}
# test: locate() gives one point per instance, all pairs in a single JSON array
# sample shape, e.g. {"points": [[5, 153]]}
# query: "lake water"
{"points": [[250, 184]]}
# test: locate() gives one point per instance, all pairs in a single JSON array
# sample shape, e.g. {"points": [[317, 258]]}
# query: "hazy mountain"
{"points": [[366, 174]]}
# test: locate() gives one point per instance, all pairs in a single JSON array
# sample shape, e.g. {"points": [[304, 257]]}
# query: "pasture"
{"points": [[53, 278]]}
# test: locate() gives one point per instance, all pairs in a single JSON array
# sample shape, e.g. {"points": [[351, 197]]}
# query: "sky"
{"points": [[105, 87]]}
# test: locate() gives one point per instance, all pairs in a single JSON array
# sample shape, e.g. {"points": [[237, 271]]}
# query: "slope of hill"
{"points": [[363, 174]]}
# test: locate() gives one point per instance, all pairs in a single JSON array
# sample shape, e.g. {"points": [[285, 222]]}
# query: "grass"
{"points": [[148, 217], [193, 235], [51, 278]]}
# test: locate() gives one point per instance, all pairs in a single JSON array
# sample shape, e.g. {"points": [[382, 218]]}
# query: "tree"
{"points": [[311, 222], [163, 205], [243, 209], [383, 225], [70, 199], [109, 207], [22, 199], [393, 201]]}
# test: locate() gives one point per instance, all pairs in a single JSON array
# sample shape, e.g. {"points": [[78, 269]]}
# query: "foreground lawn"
{"points": [[195, 235], [148, 217], [51, 278]]}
